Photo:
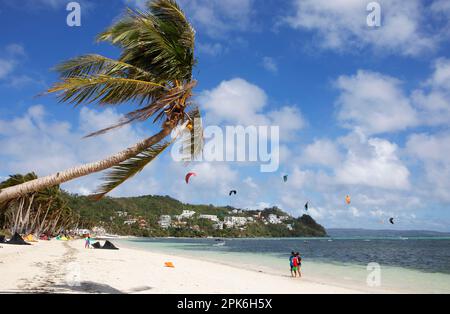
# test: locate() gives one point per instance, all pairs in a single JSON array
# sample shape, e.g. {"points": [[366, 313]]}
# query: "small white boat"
{"points": [[220, 244]]}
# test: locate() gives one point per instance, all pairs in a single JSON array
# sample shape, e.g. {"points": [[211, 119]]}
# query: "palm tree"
{"points": [[154, 70], [46, 210]]}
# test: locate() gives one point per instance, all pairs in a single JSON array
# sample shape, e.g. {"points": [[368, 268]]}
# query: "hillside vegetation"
{"points": [[139, 216]]}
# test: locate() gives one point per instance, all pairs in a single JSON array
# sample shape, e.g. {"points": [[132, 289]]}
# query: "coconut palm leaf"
{"points": [[193, 140], [128, 169], [105, 90], [166, 40], [93, 64]]}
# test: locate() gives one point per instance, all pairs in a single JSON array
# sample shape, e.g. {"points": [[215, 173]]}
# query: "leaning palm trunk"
{"points": [[80, 171]]}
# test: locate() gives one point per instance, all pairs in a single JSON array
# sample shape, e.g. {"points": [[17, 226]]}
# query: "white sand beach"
{"points": [[66, 267]]}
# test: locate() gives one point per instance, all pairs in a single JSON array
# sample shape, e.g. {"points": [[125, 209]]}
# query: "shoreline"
{"points": [[66, 267]]}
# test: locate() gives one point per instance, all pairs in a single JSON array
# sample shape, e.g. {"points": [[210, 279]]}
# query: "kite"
{"points": [[189, 175], [348, 200], [233, 192], [307, 206], [285, 178], [391, 220]]}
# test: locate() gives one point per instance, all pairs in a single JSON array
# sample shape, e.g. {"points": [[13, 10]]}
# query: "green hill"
{"points": [[140, 216]]}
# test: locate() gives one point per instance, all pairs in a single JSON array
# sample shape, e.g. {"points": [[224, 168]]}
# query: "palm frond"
{"points": [[128, 169], [105, 89], [93, 64], [193, 139], [160, 41]]}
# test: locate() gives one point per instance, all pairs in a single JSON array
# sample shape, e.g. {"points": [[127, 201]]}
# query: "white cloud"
{"points": [[433, 99], [374, 103], [212, 49], [341, 25], [434, 152], [372, 163], [218, 18], [322, 152], [270, 64], [238, 102], [9, 59]]}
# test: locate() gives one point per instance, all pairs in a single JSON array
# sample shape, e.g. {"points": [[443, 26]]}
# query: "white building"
{"points": [[273, 219], [130, 222], [233, 222], [218, 226], [187, 214], [165, 221], [213, 218]]}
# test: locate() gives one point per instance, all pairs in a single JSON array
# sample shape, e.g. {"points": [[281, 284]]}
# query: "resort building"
{"points": [[130, 222], [273, 219], [186, 214], [213, 218], [233, 222], [165, 221]]}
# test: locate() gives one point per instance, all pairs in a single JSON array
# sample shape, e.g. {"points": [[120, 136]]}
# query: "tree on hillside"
{"points": [[154, 71]]}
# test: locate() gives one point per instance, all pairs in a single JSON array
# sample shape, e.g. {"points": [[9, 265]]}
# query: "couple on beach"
{"points": [[295, 260]]}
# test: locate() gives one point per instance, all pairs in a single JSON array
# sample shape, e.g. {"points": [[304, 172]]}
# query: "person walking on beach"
{"points": [[295, 265], [87, 243], [299, 264], [291, 263]]}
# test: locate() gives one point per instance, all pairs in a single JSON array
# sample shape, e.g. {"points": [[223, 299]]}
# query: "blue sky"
{"points": [[362, 111]]}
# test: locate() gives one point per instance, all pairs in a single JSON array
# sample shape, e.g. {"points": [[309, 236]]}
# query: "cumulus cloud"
{"points": [[433, 99], [374, 103], [322, 152], [373, 163], [433, 151], [341, 25], [239, 102]]}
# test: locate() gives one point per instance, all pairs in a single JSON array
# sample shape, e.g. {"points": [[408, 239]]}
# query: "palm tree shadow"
{"points": [[89, 287]]}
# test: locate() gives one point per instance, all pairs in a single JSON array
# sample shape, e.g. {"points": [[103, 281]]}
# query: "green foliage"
{"points": [[149, 208]]}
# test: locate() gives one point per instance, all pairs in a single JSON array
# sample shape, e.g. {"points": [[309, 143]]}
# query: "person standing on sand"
{"points": [[291, 263], [87, 243], [299, 264], [295, 265]]}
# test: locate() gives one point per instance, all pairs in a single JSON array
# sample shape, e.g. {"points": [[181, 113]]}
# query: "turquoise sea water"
{"points": [[413, 265]]}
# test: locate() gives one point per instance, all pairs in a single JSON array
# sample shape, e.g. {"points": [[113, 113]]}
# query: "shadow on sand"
{"points": [[87, 287]]}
